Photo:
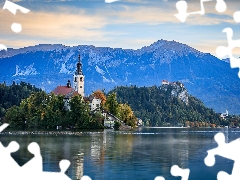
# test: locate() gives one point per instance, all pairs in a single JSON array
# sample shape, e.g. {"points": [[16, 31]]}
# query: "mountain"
{"points": [[167, 105], [205, 76]]}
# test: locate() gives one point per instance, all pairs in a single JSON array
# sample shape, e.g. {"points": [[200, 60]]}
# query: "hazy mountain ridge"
{"points": [[205, 76]]}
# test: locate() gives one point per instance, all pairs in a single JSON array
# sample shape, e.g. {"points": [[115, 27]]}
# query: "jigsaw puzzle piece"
{"points": [[221, 6], [34, 165], [16, 27], [182, 9], [86, 178], [176, 171], [64, 165], [5, 125], [7, 164], [159, 178], [12, 7], [235, 173], [223, 176], [222, 51], [182, 6], [3, 47], [236, 16], [53, 175], [226, 150]]}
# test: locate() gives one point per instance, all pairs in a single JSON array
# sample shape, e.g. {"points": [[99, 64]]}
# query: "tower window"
{"points": [[80, 86], [75, 79], [81, 79]]}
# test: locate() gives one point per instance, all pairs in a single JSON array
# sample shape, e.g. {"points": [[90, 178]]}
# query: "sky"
{"points": [[127, 24]]}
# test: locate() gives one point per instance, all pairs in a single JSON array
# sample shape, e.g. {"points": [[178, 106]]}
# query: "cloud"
{"points": [[162, 12], [54, 25], [126, 24]]}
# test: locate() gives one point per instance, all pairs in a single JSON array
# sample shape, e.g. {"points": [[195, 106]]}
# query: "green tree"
{"points": [[15, 117], [112, 104], [13, 94], [79, 115], [55, 113], [126, 115], [116, 125]]}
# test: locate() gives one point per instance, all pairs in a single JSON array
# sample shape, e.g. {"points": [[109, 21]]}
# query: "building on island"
{"points": [[224, 115], [67, 91], [78, 78], [94, 103], [165, 82], [78, 89]]}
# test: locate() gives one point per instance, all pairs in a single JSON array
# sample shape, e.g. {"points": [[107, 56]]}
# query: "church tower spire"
{"points": [[79, 67], [78, 78]]}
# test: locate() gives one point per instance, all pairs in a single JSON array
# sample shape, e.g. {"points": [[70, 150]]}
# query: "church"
{"points": [[78, 89]]}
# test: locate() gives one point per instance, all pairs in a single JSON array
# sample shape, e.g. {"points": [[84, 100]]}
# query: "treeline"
{"points": [[13, 94], [25, 106], [157, 106], [47, 111]]}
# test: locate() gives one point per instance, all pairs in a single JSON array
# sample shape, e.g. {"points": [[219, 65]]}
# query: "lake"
{"points": [[141, 154]]}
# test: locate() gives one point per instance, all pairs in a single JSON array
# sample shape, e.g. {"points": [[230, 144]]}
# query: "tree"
{"points": [[79, 116], [55, 113], [15, 117], [116, 125], [13, 94], [100, 95], [126, 115], [112, 104]]}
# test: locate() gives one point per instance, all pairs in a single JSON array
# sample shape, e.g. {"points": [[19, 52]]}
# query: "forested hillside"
{"points": [[167, 105], [13, 94]]}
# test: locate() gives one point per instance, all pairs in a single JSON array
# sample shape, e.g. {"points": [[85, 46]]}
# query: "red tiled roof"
{"points": [[64, 90]]}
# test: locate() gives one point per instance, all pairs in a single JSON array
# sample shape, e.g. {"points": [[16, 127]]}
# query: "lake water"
{"points": [[141, 154]]}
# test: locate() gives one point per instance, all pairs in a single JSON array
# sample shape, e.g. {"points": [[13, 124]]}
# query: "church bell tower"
{"points": [[78, 78]]}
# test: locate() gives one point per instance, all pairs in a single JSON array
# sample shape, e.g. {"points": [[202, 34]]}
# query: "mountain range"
{"points": [[205, 76]]}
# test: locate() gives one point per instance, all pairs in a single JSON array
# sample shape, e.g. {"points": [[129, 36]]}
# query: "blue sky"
{"points": [[128, 24]]}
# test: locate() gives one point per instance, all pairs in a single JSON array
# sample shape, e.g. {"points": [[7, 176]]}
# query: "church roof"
{"points": [[65, 90]]}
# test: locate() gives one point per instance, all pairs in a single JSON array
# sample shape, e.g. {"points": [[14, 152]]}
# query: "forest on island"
{"points": [[25, 106], [157, 106], [30, 107], [47, 111]]}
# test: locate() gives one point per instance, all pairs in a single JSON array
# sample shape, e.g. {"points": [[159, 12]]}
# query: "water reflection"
{"points": [[78, 160], [140, 154]]}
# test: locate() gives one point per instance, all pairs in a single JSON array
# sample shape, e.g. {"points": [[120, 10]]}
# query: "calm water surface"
{"points": [[141, 154]]}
